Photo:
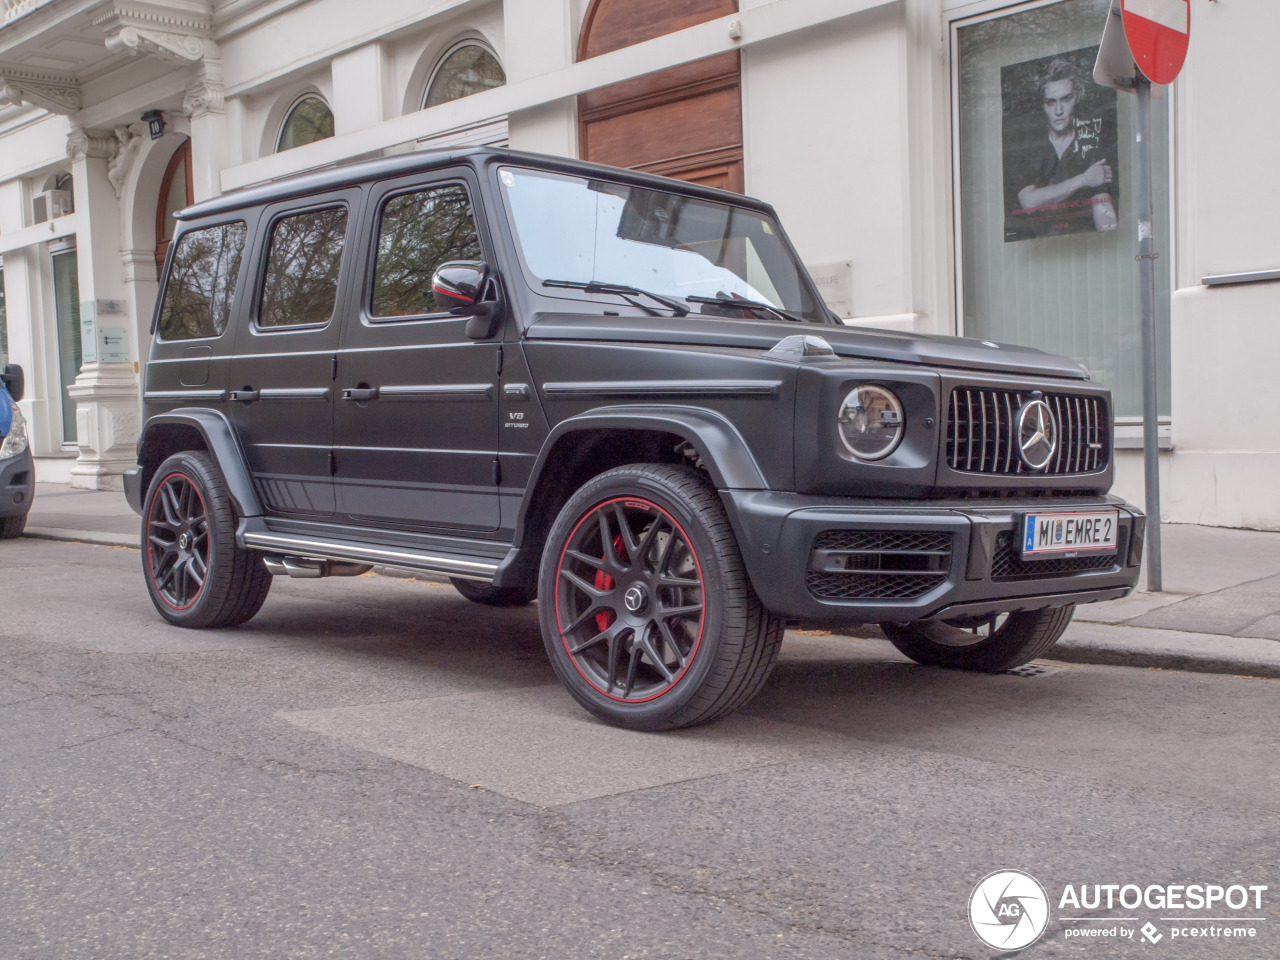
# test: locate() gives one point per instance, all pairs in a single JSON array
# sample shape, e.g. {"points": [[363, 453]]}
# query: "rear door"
{"points": [[282, 376], [416, 419]]}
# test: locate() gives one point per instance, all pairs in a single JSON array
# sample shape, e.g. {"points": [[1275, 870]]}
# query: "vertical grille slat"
{"points": [[985, 440]]}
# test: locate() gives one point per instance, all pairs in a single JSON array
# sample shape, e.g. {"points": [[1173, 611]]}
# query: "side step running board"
{"points": [[309, 548]]}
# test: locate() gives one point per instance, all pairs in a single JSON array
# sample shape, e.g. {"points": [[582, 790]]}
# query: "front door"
{"points": [[416, 417], [282, 375]]}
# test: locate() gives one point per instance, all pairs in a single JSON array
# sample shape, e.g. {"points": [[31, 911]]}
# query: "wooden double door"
{"points": [[683, 122]]}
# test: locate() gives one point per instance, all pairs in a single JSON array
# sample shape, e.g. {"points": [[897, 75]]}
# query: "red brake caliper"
{"points": [[604, 619]]}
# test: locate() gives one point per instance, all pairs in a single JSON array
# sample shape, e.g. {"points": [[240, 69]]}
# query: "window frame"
{"points": [[958, 14], [166, 275], [346, 202], [288, 113], [387, 191], [449, 51]]}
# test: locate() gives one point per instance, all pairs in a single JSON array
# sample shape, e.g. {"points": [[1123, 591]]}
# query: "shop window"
{"points": [[1047, 223], [197, 298], [301, 283], [308, 120], [466, 69], [416, 233], [66, 302]]}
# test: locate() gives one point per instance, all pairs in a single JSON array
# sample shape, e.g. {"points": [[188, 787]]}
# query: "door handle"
{"points": [[244, 396], [360, 393]]}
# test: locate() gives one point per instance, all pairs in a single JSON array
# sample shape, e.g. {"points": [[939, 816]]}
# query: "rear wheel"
{"points": [[11, 527], [647, 613], [196, 574], [492, 596], [992, 644]]}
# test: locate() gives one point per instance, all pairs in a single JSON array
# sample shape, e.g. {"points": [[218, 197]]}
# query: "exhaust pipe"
{"points": [[304, 568]]}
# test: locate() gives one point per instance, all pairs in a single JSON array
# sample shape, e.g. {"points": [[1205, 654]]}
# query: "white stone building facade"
{"points": [[884, 131]]}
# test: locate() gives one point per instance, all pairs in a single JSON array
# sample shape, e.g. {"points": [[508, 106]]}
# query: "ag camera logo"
{"points": [[1008, 910]]}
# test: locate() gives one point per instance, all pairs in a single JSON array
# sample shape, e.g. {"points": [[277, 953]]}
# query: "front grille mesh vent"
{"points": [[1007, 565], [877, 564], [981, 433]]}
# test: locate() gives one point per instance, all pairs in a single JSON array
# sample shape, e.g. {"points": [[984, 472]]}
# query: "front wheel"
{"points": [[12, 527], [647, 613], [993, 645], [196, 573]]}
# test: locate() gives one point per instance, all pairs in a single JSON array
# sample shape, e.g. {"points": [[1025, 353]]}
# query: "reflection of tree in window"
{"points": [[197, 299], [302, 268], [469, 69], [309, 120], [417, 233]]}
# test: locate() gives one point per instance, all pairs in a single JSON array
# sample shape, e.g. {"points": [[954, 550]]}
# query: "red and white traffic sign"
{"points": [[1158, 32]]}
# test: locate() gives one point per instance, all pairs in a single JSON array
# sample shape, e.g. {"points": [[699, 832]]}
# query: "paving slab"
{"points": [[1130, 646], [1230, 611]]}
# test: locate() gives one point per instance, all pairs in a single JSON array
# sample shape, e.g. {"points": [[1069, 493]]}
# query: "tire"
{"points": [[12, 527], [694, 644], [196, 574], [492, 596], [1019, 639]]}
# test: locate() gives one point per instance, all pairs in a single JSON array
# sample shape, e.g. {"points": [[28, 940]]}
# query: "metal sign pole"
{"points": [[1147, 292]]}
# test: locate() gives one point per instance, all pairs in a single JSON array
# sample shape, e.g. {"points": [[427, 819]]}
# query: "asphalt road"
{"points": [[377, 768]]}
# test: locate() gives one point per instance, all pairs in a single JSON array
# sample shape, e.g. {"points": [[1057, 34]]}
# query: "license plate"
{"points": [[1069, 534]]}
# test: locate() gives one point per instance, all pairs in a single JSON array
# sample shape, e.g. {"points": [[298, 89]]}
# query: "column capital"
{"points": [[205, 96], [83, 144]]}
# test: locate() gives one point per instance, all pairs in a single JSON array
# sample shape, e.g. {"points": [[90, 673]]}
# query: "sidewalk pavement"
{"points": [[1219, 611]]}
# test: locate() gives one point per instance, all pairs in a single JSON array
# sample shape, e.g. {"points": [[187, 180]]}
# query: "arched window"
{"points": [[308, 120], [175, 193], [468, 68]]}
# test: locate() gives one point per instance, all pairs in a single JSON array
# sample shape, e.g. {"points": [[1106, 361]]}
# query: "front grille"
{"points": [[981, 435], [1007, 565], [877, 564]]}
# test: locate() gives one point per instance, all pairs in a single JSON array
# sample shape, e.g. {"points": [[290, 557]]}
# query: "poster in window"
{"points": [[1061, 169]]}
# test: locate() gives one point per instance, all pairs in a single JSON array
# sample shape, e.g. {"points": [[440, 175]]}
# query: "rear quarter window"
{"points": [[202, 277]]}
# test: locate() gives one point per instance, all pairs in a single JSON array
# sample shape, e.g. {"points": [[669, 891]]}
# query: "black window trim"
{"points": [[264, 258], [380, 201], [166, 276]]}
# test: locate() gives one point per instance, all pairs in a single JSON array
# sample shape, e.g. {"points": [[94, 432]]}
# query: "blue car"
{"points": [[17, 471]]}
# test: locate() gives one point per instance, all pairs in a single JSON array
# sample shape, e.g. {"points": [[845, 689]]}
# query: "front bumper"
{"points": [[17, 484], [939, 558]]}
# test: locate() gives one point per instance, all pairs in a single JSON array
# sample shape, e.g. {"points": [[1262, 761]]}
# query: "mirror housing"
{"points": [[14, 381], [465, 289]]}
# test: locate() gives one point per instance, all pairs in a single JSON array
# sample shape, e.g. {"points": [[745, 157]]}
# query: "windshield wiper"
{"points": [[745, 304], [622, 290]]}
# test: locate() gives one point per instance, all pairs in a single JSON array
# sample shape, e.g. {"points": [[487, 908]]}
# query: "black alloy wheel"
{"points": [[992, 644], [177, 541], [647, 612], [629, 599], [196, 573]]}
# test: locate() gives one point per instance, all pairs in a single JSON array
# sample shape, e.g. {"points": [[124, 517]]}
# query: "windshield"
{"points": [[596, 232]]}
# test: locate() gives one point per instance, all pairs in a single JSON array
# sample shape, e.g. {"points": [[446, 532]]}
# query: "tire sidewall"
{"points": [[197, 471], [623, 482]]}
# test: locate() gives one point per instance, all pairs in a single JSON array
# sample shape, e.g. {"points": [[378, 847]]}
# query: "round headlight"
{"points": [[870, 422]]}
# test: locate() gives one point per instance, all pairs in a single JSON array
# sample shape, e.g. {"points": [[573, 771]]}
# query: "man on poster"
{"points": [[1062, 177]]}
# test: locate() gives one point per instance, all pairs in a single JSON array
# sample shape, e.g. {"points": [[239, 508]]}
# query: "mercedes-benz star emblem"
{"points": [[634, 598], [1037, 434]]}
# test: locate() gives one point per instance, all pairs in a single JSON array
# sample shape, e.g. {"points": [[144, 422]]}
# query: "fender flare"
{"points": [[725, 453], [220, 441]]}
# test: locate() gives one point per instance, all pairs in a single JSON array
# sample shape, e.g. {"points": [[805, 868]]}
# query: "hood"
{"points": [[864, 343]]}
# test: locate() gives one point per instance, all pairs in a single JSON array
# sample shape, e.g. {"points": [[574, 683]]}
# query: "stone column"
{"points": [[204, 106], [106, 391]]}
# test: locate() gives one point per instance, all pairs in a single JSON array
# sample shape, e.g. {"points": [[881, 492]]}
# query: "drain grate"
{"points": [[1036, 668]]}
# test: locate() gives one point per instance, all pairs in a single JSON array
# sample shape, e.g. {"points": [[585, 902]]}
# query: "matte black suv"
{"points": [[619, 394]]}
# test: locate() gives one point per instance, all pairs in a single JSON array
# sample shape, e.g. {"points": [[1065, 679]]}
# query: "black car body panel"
{"points": [[411, 440]]}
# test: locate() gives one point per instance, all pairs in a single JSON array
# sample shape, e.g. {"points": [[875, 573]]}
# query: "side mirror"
{"points": [[461, 287], [14, 381]]}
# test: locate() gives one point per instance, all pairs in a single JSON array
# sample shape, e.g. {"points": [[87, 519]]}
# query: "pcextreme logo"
{"points": [[1009, 910]]}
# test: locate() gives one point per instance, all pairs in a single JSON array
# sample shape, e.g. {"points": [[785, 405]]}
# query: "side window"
{"points": [[416, 233], [197, 298], [301, 284]]}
